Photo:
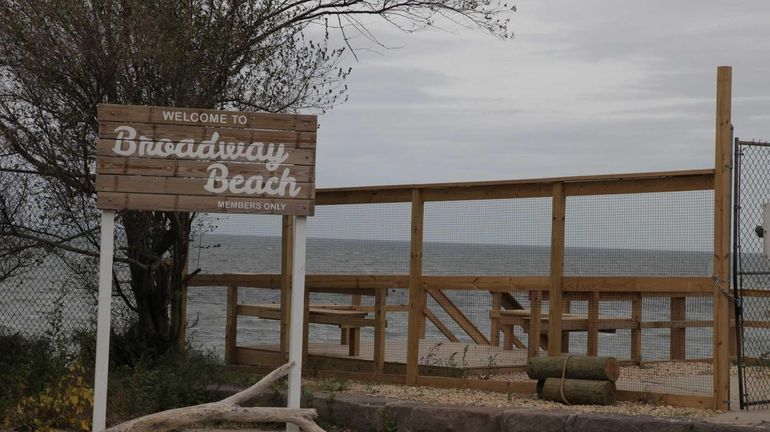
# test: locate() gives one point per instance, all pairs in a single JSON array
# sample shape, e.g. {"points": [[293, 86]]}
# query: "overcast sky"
{"points": [[590, 87], [585, 87]]}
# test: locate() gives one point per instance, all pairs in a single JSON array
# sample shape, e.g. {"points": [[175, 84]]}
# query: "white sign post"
{"points": [[297, 315], [198, 160], [104, 316]]}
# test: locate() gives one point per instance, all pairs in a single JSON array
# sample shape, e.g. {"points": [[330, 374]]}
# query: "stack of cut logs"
{"points": [[575, 380]]}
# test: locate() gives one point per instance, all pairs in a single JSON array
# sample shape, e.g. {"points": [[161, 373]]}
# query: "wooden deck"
{"points": [[459, 355]]}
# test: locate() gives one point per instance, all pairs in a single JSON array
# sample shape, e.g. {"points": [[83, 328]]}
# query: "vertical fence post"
{"points": [[558, 210], [415, 288], [678, 339], [380, 303], [533, 337], [287, 241], [494, 326], [231, 324], [104, 316], [592, 339], [722, 211], [636, 332]]}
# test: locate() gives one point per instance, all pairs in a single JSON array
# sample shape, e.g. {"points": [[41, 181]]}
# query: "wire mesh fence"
{"points": [[485, 281], [46, 286], [752, 271]]}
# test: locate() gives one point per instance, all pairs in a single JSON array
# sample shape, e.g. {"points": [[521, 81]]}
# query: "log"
{"points": [[578, 367], [229, 409], [579, 392]]}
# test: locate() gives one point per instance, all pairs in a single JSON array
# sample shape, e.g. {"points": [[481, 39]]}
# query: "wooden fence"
{"points": [[556, 288]]}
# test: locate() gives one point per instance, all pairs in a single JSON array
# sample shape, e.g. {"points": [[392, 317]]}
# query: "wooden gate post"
{"points": [[415, 288], [287, 241], [558, 210], [722, 211]]}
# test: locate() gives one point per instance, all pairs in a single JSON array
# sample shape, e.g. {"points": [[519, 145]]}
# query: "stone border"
{"points": [[377, 414]]}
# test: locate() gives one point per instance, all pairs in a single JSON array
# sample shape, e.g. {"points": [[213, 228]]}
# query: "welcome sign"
{"points": [[183, 159]]}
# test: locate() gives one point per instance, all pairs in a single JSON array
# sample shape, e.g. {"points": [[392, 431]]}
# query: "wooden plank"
{"points": [[452, 191], [636, 332], [458, 316], [533, 338], [385, 378], [526, 387], [231, 324], [305, 327], [755, 293], [440, 325], [636, 186], [287, 242], [250, 280], [380, 304], [555, 307], [722, 208], [677, 341], [487, 283], [354, 341], [592, 341], [702, 402], [567, 306], [201, 152], [674, 325], [189, 168], [219, 118], [192, 186], [494, 315], [257, 357], [160, 202], [342, 283], [109, 130], [415, 287], [488, 192], [652, 284], [314, 316], [423, 318]]}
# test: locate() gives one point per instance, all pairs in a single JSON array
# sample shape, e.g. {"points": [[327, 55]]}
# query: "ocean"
{"points": [[28, 303]]}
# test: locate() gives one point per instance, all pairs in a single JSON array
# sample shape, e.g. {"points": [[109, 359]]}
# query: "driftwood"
{"points": [[228, 409], [578, 367]]}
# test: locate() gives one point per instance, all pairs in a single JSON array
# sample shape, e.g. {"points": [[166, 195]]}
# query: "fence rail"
{"points": [[547, 322]]}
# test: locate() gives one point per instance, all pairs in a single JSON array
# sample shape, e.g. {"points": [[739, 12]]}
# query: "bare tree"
{"points": [[60, 58]]}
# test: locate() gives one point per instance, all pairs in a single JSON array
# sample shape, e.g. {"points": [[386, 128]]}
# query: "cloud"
{"points": [[586, 87]]}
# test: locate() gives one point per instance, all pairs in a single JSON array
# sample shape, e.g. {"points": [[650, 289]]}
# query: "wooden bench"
{"points": [[346, 317], [506, 320]]}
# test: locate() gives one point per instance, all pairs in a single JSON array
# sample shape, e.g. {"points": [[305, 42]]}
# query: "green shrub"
{"points": [[43, 384], [27, 367], [64, 404], [174, 379]]}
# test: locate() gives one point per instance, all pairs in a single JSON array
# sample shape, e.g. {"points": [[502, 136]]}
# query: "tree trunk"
{"points": [[158, 245], [578, 367], [578, 392]]}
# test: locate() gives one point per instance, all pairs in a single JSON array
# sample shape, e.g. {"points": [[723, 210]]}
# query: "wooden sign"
{"points": [[184, 159]]}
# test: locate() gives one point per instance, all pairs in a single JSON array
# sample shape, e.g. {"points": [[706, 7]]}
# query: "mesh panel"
{"points": [[753, 272], [652, 234], [487, 237]]}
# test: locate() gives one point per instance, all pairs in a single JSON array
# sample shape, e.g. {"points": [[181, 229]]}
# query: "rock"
{"points": [[358, 412], [615, 423], [536, 420], [397, 416], [429, 418]]}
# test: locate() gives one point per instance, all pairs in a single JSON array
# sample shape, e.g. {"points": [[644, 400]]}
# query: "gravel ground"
{"points": [[500, 400]]}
